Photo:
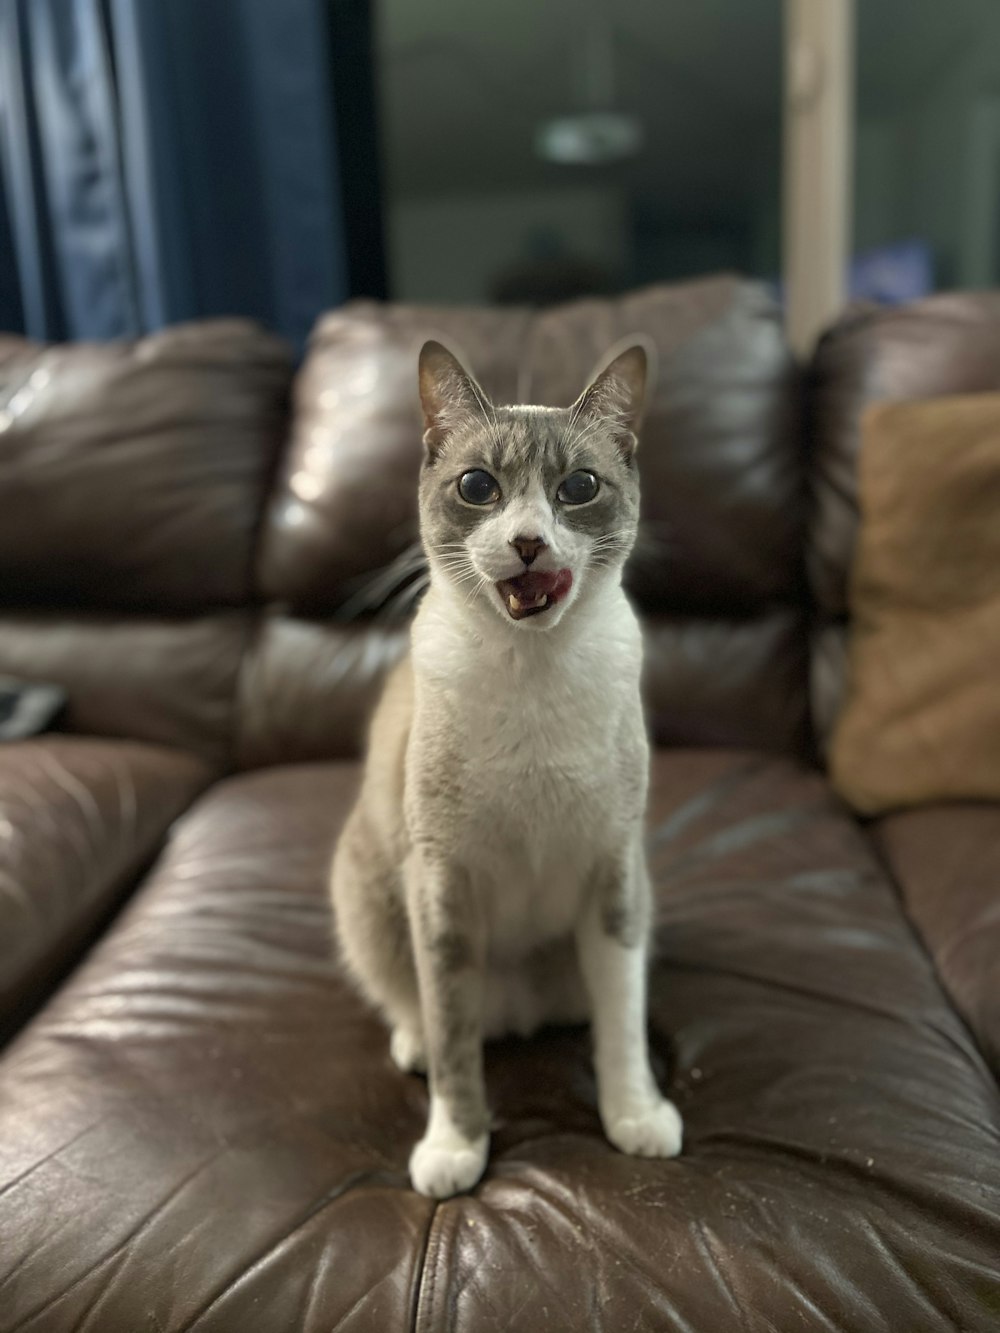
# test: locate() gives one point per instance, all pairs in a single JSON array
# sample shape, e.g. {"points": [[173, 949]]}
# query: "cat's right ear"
{"points": [[448, 395], [617, 391]]}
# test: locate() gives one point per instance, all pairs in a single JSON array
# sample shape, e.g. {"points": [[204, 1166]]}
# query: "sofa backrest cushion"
{"points": [[132, 475], [167, 680], [717, 571], [921, 721], [132, 482], [948, 344], [720, 458]]}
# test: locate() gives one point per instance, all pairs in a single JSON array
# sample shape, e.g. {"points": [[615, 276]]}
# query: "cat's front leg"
{"points": [[612, 939], [449, 948]]}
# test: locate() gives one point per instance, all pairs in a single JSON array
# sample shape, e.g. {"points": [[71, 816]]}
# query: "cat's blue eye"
{"points": [[577, 489], [478, 487]]}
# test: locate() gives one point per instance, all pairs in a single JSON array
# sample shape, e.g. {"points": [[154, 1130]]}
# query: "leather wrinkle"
{"points": [[908, 1276], [974, 1046], [565, 1211], [705, 1245], [122, 1247], [704, 802], [258, 1260], [741, 836], [122, 1251]]}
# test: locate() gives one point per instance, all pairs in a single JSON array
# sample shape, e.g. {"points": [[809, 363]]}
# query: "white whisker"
{"points": [[482, 583]]}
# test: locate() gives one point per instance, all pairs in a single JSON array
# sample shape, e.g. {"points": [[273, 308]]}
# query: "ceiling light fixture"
{"points": [[597, 134], [589, 138]]}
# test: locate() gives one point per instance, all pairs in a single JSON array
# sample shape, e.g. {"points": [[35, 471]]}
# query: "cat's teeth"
{"points": [[516, 604]]}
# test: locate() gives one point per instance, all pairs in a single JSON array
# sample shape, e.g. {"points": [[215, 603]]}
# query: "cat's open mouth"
{"points": [[534, 592]]}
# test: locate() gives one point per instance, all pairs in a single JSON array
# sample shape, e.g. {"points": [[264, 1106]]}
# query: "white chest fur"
{"points": [[546, 725]]}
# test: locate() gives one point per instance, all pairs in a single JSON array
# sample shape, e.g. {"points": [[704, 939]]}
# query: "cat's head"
{"points": [[526, 509]]}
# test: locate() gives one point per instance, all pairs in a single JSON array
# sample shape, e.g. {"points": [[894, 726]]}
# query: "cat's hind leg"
{"points": [[374, 937], [406, 1046]]}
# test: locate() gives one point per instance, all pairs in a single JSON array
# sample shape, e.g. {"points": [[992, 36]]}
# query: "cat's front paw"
{"points": [[653, 1130], [440, 1167]]}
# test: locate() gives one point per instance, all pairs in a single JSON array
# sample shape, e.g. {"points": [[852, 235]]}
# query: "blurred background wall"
{"points": [[162, 161]]}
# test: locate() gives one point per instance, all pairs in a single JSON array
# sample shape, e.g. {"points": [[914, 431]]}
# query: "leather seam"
{"points": [[423, 1315], [253, 629]]}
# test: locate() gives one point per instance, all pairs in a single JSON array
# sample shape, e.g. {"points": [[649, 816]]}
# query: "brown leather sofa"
{"points": [[200, 1128]]}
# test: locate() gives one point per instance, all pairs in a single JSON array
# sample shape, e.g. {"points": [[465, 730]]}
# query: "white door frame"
{"points": [[817, 177]]}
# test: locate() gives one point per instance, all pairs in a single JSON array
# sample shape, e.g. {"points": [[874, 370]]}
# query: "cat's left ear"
{"points": [[448, 395], [617, 391]]}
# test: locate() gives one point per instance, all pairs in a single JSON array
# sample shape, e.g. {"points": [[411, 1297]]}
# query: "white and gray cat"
{"points": [[491, 877]]}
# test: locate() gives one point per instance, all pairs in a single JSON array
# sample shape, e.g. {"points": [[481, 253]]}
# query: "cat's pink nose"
{"points": [[528, 547]]}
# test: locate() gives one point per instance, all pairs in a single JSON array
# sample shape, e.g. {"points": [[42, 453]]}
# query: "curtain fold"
{"points": [[153, 170], [77, 122], [25, 206], [170, 161]]}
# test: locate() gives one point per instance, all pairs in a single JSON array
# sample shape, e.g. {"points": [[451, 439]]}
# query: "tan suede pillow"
{"points": [[922, 717]]}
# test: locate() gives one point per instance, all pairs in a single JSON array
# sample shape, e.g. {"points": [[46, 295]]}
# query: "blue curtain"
{"points": [[163, 160]]}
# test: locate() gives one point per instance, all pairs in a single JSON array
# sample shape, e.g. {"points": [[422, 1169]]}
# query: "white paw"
{"points": [[442, 1167], [406, 1048], [651, 1131]]}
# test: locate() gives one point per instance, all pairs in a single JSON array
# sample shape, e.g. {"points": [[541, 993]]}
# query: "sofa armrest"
{"points": [[946, 861]]}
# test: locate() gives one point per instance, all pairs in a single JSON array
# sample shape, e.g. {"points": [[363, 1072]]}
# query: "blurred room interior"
{"points": [[162, 163]]}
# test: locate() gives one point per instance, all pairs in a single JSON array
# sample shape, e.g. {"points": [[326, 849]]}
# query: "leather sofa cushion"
{"points": [[132, 475], [230, 1105], [78, 820], [947, 344], [721, 458], [717, 571], [736, 683], [308, 687], [169, 681], [921, 721], [946, 861]]}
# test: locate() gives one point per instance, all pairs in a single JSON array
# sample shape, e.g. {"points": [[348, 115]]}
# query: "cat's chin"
{"points": [[534, 594]]}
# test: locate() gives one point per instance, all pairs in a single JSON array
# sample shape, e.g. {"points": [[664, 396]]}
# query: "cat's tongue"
{"points": [[531, 593]]}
